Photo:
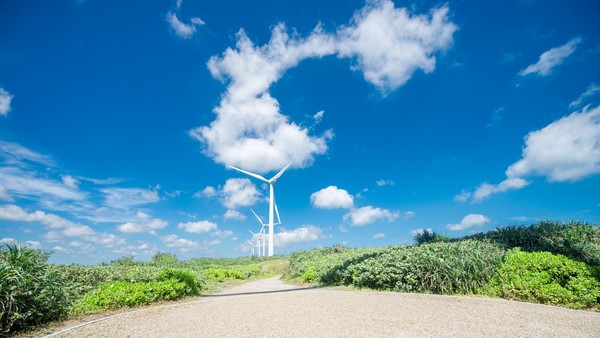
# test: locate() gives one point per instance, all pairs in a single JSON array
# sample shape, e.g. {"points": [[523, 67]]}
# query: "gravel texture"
{"points": [[272, 308]]}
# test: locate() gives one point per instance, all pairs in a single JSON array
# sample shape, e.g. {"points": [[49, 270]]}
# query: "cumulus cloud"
{"points": [[5, 101], [239, 192], [468, 222], [390, 44], [409, 214], [184, 245], [251, 132], [198, 227], [368, 215], [143, 224], [378, 236], [304, 234], [208, 192], [332, 197], [234, 214], [222, 233], [319, 116], [70, 181], [551, 58], [565, 150]]}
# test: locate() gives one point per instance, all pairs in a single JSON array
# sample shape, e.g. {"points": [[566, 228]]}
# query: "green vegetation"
{"points": [[548, 262], [558, 265], [31, 291], [542, 277], [34, 292]]}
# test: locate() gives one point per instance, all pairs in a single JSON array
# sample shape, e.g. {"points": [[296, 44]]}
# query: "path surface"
{"points": [[275, 309]]}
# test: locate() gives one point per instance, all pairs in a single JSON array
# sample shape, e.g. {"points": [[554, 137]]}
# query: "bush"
{"points": [[187, 277], [31, 291], [442, 268], [543, 277], [425, 237], [574, 239]]}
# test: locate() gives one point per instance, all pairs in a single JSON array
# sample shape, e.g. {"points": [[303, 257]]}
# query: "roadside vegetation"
{"points": [[34, 292], [548, 262]]}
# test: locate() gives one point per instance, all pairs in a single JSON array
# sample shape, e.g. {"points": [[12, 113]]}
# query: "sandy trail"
{"points": [[273, 308]]}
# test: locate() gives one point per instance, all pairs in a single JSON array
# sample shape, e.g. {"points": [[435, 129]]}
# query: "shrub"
{"points": [[221, 274], [574, 239], [443, 268], [425, 237], [31, 290], [187, 277], [546, 278]]}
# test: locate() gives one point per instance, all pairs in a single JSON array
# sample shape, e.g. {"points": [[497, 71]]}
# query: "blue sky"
{"points": [[118, 121]]}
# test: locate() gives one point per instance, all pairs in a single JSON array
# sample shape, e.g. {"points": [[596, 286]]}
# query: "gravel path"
{"points": [[274, 309]]}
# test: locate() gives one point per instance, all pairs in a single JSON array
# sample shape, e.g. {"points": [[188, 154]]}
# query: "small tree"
{"points": [[165, 259], [426, 236]]}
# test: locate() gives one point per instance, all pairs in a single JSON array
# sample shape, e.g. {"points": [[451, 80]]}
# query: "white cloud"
{"points": [[143, 224], [185, 245], [61, 227], [463, 196], [415, 232], [391, 45], [15, 154], [250, 130], [213, 242], [5, 101], [551, 58], [409, 214], [332, 197], [378, 236], [183, 30], [469, 222], [368, 215], [591, 91], [70, 181], [234, 214], [198, 227], [565, 150], [383, 183], [16, 181], [304, 234], [486, 189], [319, 116], [124, 198], [222, 233], [8, 241], [239, 192], [206, 192]]}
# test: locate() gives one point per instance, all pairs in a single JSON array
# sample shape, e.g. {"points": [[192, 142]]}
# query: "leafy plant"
{"points": [[547, 278], [31, 290], [426, 236]]}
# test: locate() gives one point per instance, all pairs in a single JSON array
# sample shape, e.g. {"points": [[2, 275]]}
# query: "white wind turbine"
{"points": [[253, 246], [261, 233], [272, 206], [260, 241]]}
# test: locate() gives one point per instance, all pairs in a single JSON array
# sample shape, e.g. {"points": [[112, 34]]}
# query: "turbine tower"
{"points": [[272, 207]]}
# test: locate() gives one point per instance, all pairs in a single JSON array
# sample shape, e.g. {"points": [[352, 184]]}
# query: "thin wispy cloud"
{"points": [[592, 90], [551, 59], [250, 130], [181, 29], [5, 102]]}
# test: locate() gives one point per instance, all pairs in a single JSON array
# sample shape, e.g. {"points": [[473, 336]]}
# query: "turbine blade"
{"points": [[257, 217], [277, 213], [272, 180], [250, 174]]}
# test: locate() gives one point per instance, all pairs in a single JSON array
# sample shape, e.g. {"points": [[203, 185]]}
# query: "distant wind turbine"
{"points": [[272, 207]]}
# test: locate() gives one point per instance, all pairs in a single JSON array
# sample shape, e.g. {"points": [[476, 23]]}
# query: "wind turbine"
{"points": [[263, 226], [253, 246], [260, 241], [272, 206]]}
